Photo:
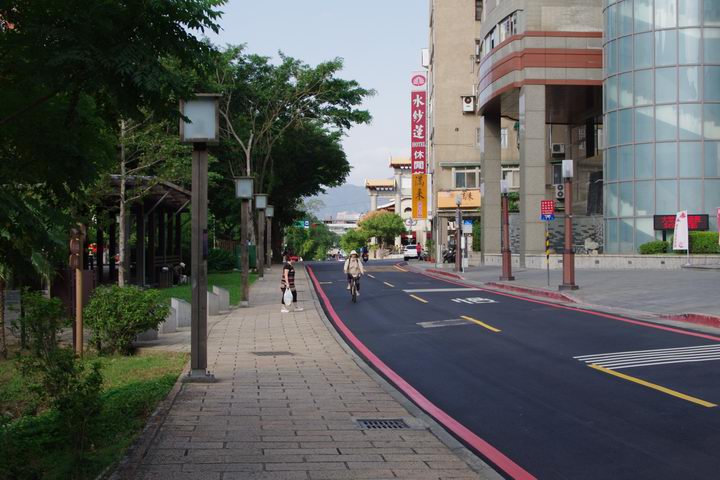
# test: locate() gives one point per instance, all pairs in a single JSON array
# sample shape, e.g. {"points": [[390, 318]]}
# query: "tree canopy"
{"points": [[383, 225]]}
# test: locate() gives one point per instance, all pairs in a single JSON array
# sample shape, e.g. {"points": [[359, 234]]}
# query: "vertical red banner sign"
{"points": [[418, 123]]}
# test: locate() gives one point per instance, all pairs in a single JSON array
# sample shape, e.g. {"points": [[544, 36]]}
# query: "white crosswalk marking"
{"points": [[438, 290], [646, 358]]}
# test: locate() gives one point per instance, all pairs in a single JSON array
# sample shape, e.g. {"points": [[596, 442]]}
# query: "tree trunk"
{"points": [[3, 340], [123, 213]]}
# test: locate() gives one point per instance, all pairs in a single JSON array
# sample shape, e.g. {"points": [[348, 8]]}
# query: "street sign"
{"points": [[547, 218], [410, 222], [547, 207], [467, 227], [306, 224]]}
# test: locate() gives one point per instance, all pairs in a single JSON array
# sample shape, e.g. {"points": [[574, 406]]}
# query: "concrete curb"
{"points": [[536, 292], [695, 318], [447, 274], [458, 448]]}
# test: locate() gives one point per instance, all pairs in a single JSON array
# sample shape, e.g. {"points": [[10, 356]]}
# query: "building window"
{"points": [[478, 136], [508, 26], [556, 173], [503, 138], [478, 10], [466, 178], [512, 175]]}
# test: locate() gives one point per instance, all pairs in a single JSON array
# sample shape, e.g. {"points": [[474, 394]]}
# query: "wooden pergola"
{"points": [[157, 222]]}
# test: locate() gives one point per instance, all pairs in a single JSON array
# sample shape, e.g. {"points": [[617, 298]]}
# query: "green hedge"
{"points": [[220, 260], [654, 247], [704, 242]]}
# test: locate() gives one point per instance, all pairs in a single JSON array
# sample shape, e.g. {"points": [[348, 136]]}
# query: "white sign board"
{"points": [[680, 238]]}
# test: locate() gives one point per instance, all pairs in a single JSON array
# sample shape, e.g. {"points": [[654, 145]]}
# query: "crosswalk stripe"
{"points": [[714, 345], [646, 358]]}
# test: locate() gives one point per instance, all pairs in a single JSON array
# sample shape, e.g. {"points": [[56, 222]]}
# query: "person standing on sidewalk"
{"points": [[288, 281]]}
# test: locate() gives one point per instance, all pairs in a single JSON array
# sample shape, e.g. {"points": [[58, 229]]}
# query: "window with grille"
{"points": [[466, 178]]}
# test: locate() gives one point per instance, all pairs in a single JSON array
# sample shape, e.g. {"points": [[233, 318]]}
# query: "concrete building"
{"points": [[398, 190], [662, 111], [454, 158], [539, 68]]}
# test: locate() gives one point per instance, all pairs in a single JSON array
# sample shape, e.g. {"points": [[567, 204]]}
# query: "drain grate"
{"points": [[382, 424], [272, 354]]}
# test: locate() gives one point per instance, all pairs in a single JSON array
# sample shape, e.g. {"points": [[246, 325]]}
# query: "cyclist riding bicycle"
{"points": [[354, 268]]}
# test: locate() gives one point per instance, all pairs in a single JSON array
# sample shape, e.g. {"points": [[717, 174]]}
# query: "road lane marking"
{"points": [[400, 268], [325, 283], [654, 386], [419, 299], [453, 322], [473, 300], [389, 284], [438, 290], [646, 358], [371, 276], [482, 324]]}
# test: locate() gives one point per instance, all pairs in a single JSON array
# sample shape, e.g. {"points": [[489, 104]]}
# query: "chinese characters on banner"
{"points": [[680, 238], [418, 143], [419, 195]]}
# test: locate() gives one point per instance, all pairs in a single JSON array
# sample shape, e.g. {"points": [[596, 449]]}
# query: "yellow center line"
{"points": [[389, 284], [482, 324], [419, 299], [653, 386], [399, 268]]}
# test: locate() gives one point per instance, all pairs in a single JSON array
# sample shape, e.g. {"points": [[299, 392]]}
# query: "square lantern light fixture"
{"points": [[244, 187], [261, 201], [504, 188], [204, 119], [270, 211], [567, 168]]}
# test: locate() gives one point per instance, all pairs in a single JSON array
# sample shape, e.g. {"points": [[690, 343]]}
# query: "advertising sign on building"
{"points": [[419, 195], [418, 122], [680, 238]]}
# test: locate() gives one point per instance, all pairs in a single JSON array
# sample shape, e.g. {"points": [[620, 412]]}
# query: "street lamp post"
{"points": [[568, 253], [244, 191], [202, 129], [260, 205], [269, 214], [506, 253], [458, 233]]}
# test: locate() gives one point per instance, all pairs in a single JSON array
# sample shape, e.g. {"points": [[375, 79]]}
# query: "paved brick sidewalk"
{"points": [[288, 416]]}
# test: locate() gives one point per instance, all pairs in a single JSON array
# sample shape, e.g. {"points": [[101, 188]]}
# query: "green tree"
{"points": [[382, 225], [354, 239]]}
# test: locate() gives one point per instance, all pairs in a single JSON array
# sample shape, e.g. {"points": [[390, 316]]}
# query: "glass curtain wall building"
{"points": [[662, 115]]}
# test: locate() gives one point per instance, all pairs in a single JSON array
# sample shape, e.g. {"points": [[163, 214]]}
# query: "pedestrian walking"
{"points": [[419, 250], [288, 282]]}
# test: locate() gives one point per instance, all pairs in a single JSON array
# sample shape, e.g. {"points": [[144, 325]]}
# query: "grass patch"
{"points": [[36, 447], [230, 281]]}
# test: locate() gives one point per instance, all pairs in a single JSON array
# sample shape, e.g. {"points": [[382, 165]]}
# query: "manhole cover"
{"points": [[271, 354], [377, 424]]}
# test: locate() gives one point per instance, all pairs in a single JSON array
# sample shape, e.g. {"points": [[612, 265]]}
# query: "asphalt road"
{"points": [[543, 391]]}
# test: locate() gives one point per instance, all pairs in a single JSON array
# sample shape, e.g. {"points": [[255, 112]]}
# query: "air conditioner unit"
{"points": [[560, 192], [468, 104], [558, 148]]}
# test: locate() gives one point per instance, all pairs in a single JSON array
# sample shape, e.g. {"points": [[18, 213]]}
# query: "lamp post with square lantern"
{"points": [[568, 253], [506, 252], [200, 126], [260, 205], [269, 214], [244, 187]]}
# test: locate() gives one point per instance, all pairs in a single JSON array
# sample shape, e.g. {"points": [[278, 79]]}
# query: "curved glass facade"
{"points": [[662, 115]]}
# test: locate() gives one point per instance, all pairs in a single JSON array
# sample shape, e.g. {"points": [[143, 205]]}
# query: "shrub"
{"points": [[704, 242], [40, 325], [117, 315], [654, 247], [476, 236], [220, 260]]}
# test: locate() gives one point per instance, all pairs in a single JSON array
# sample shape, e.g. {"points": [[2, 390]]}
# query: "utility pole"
{"points": [[568, 253]]}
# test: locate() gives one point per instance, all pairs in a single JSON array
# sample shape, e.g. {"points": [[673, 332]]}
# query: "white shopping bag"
{"points": [[287, 297]]}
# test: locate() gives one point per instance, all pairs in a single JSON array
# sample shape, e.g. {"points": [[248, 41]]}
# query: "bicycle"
{"points": [[353, 288]]}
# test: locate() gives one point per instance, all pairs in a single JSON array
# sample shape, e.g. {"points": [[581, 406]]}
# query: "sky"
{"points": [[380, 42]]}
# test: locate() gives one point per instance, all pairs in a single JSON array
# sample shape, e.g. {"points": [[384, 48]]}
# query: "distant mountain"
{"points": [[346, 198]]}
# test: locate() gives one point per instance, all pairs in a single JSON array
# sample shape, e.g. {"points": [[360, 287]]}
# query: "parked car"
{"points": [[410, 251]]}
